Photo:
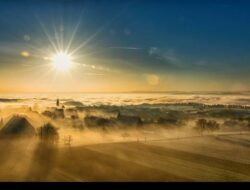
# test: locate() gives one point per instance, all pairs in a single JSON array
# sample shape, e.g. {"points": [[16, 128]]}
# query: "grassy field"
{"points": [[211, 158]]}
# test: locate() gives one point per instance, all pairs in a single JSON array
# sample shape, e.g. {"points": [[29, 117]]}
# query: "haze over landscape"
{"points": [[106, 90]]}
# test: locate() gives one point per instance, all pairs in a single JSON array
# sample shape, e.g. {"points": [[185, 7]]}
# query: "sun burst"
{"points": [[62, 61]]}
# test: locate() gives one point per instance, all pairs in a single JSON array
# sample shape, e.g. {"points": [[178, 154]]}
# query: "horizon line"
{"points": [[139, 91]]}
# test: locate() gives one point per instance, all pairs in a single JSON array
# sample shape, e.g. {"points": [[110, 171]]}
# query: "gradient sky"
{"points": [[125, 45]]}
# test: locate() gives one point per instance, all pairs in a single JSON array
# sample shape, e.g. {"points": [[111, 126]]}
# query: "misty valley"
{"points": [[52, 139]]}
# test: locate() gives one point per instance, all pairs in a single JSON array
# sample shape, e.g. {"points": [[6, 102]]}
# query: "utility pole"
{"points": [[1, 122], [67, 141]]}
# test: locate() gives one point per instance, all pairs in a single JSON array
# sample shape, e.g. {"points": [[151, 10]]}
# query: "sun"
{"points": [[62, 61]]}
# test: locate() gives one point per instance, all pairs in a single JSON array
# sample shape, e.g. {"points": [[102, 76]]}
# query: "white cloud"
{"points": [[153, 50], [167, 55], [26, 37]]}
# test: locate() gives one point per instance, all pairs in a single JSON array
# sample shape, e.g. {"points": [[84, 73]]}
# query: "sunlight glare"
{"points": [[62, 61]]}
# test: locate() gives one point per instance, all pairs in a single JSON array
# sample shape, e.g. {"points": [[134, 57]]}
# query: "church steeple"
{"points": [[57, 102]]}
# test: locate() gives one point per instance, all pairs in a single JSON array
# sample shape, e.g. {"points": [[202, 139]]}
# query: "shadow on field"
{"points": [[89, 165], [43, 162], [6, 149]]}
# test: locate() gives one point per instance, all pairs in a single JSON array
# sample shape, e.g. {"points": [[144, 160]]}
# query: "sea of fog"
{"points": [[120, 99]]}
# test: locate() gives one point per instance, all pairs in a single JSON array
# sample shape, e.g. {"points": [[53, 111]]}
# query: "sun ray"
{"points": [[57, 37], [48, 36], [87, 41], [73, 35]]}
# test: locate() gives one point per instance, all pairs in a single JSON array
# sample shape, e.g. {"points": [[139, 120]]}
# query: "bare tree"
{"points": [[204, 125], [200, 125], [212, 125]]}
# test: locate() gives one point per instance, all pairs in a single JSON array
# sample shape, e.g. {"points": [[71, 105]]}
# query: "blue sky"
{"points": [[158, 37]]}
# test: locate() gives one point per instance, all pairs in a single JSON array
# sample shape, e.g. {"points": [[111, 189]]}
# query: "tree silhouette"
{"points": [[204, 125], [48, 133]]}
